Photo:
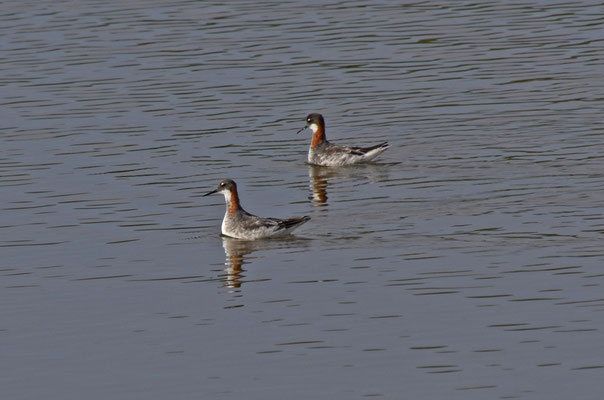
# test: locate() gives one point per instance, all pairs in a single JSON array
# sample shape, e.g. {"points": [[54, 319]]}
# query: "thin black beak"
{"points": [[212, 192], [302, 129]]}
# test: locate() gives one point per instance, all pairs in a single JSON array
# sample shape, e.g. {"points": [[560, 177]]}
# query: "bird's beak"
{"points": [[302, 129], [209, 193]]}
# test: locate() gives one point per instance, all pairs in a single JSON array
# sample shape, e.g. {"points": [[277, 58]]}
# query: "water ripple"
{"points": [[468, 254]]}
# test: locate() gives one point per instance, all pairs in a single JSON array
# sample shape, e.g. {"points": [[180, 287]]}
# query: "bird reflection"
{"points": [[320, 177], [238, 252], [235, 250]]}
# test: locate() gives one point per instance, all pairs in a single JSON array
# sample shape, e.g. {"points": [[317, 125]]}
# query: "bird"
{"points": [[324, 153], [240, 224]]}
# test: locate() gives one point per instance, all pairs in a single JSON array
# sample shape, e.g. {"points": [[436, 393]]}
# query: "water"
{"points": [[465, 264]]}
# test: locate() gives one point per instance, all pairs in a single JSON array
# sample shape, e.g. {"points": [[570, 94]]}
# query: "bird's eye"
{"points": [[221, 183]]}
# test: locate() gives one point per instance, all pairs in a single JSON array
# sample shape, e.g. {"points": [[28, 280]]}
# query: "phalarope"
{"points": [[240, 224], [323, 153]]}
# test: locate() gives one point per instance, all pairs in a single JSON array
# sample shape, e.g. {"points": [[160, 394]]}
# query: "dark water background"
{"points": [[467, 263]]}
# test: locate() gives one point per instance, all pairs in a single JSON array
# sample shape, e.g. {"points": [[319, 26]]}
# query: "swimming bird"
{"points": [[324, 153], [240, 224]]}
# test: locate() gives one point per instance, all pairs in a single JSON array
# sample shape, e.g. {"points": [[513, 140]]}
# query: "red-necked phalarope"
{"points": [[323, 153], [240, 224]]}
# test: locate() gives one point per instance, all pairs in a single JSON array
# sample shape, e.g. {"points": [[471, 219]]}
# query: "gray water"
{"points": [[467, 262]]}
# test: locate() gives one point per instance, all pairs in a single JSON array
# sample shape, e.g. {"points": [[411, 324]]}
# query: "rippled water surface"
{"points": [[466, 263]]}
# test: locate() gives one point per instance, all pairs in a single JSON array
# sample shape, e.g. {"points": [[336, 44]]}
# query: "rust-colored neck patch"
{"points": [[232, 201], [318, 137]]}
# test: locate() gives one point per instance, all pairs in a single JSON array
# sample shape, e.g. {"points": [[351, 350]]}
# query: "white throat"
{"points": [[313, 127], [227, 196]]}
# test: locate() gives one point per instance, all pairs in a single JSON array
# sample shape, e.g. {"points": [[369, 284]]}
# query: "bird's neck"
{"points": [[318, 135], [232, 201]]}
